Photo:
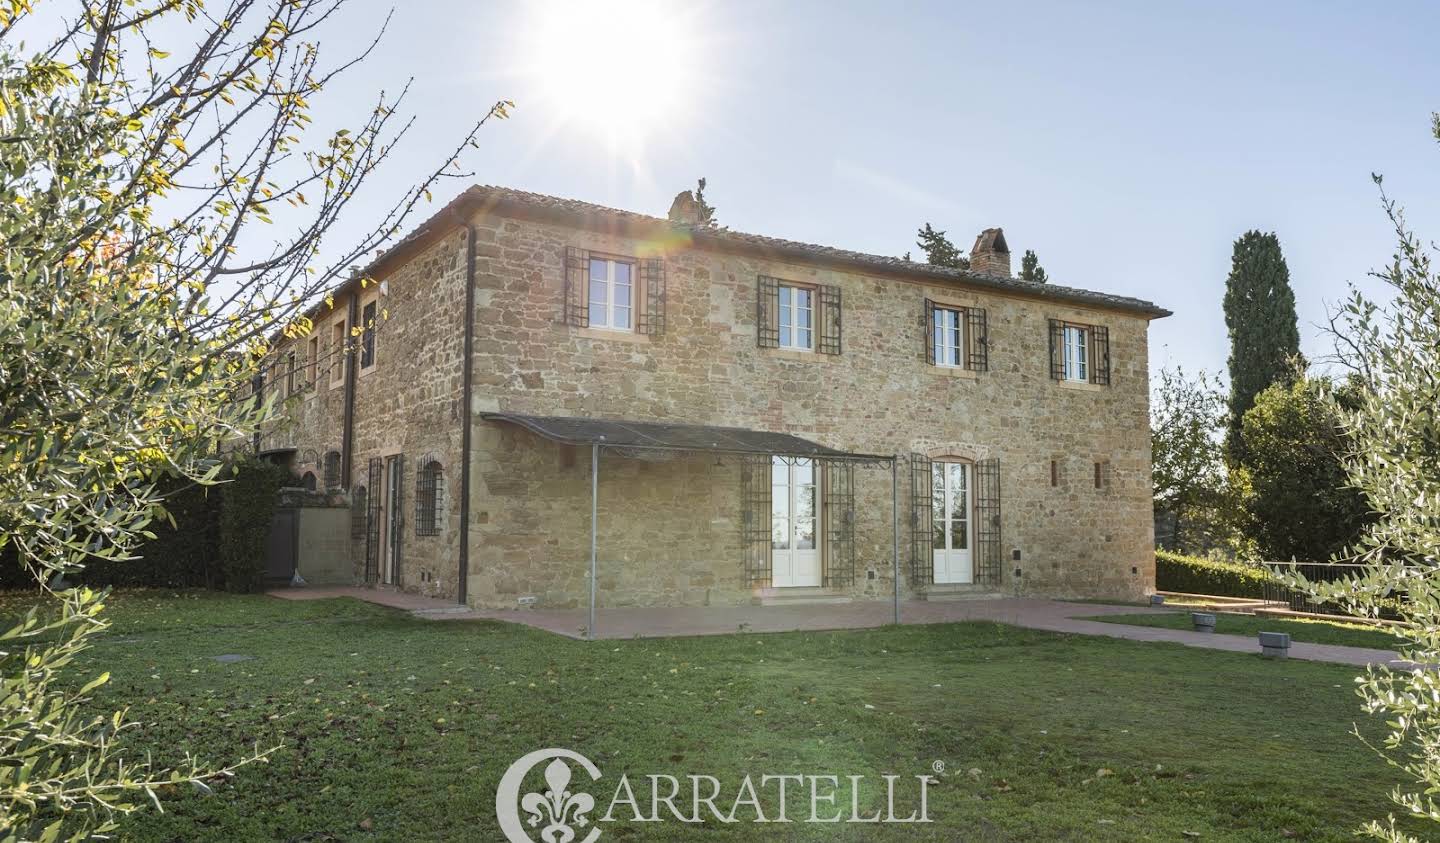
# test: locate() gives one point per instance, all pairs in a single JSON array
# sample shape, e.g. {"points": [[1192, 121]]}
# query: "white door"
{"points": [[950, 509], [794, 527]]}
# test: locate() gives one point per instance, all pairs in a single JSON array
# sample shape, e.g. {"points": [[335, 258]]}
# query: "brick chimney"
{"points": [[991, 255], [685, 210]]}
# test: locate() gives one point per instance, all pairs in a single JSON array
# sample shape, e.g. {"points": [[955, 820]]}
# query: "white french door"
{"points": [[950, 508], [794, 524]]}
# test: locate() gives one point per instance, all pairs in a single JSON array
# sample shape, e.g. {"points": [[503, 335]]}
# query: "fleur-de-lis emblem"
{"points": [[555, 806]]}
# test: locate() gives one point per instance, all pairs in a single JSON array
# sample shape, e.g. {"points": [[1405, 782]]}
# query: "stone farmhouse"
{"points": [[747, 418]]}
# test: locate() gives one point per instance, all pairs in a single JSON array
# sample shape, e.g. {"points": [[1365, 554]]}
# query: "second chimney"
{"points": [[991, 255]]}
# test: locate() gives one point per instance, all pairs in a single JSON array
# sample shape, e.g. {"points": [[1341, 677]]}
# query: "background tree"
{"points": [[1260, 316], [704, 210], [1031, 270], [1395, 462], [938, 249], [141, 287], [1187, 423], [1298, 502]]}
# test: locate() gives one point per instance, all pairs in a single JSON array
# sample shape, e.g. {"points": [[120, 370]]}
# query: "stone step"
{"points": [[802, 597], [958, 591]]}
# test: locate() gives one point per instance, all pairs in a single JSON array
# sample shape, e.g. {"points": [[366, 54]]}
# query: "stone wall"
{"points": [[879, 396], [669, 529]]}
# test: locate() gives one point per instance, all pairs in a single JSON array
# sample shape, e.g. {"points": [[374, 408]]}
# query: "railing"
{"points": [[1299, 600]]}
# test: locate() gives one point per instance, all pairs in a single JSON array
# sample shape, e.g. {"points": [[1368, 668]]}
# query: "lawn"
{"points": [[1312, 631], [395, 728]]}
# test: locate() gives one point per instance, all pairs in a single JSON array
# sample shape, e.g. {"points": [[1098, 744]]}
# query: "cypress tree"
{"points": [[1031, 270], [1260, 317], [938, 249]]}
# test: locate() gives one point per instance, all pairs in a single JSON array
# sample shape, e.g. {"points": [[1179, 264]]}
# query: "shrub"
{"points": [[1192, 575], [247, 506]]}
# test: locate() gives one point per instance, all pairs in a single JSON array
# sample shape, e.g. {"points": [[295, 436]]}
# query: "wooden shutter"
{"points": [[767, 312], [755, 522], [922, 528], [577, 287], [828, 316], [927, 328], [1100, 355], [987, 522], [652, 297], [838, 505], [1057, 350], [978, 353]]}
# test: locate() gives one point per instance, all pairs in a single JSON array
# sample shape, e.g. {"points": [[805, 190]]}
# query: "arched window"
{"points": [[358, 513], [429, 486], [332, 470], [308, 481]]}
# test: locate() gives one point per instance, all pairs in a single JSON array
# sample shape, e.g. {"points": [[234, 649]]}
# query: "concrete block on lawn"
{"points": [[1203, 621], [1275, 645]]}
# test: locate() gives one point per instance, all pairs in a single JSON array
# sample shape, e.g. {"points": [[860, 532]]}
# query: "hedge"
{"points": [[217, 540], [1193, 575]]}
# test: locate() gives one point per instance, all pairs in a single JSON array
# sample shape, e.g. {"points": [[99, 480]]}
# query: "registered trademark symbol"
{"points": [[938, 767]]}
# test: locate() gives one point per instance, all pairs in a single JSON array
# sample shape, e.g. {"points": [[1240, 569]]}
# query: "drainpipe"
{"points": [[347, 432], [466, 388]]}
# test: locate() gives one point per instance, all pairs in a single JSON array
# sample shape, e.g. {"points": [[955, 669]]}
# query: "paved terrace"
{"points": [[635, 622]]}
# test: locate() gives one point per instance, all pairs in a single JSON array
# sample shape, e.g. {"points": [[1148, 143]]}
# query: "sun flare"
{"points": [[623, 70]]}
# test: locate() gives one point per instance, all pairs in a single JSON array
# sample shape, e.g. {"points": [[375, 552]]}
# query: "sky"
{"points": [[1128, 144]]}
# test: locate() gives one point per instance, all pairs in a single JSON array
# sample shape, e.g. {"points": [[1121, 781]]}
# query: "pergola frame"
{"points": [[631, 436]]}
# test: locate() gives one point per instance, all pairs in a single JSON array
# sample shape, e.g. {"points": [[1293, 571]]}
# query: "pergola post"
{"points": [[594, 514], [895, 534]]}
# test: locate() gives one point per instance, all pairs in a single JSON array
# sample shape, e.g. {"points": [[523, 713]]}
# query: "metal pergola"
{"points": [[620, 437]]}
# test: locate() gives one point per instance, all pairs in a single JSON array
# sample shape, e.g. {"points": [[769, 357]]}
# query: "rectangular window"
{"points": [[1076, 353], [612, 294], [797, 318], [312, 361], [949, 329], [367, 336], [1054, 472], [291, 375], [338, 341]]}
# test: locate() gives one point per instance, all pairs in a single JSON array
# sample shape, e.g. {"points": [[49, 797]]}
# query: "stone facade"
{"points": [[669, 529]]}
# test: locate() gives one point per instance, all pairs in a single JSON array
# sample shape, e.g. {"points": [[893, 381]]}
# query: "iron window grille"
{"points": [[1096, 340], [839, 504], [987, 521], [755, 522], [922, 528], [649, 300], [826, 312], [376, 472], [972, 349], [332, 470], [359, 512], [367, 335], [652, 297], [428, 491]]}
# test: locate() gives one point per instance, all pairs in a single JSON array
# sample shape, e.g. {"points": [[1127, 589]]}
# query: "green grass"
{"points": [[1311, 631], [399, 729]]}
